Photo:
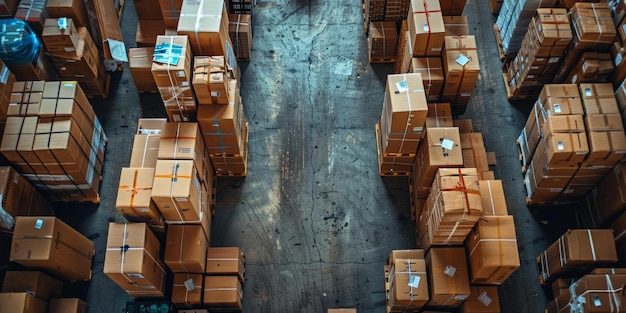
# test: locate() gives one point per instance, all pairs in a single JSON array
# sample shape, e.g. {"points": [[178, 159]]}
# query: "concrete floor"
{"points": [[313, 217]]}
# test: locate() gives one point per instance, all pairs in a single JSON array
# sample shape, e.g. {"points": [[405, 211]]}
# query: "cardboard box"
{"points": [[145, 151], [404, 113], [21, 302], [223, 126], [206, 24], [432, 75], [134, 193], [74, 9], [492, 197], [573, 252], [561, 99], [148, 10], [176, 191], [456, 25], [140, 63], [171, 70], [34, 283], [461, 68], [439, 115], [210, 80], [382, 41], [60, 35], [590, 293], [452, 7], [186, 248], [432, 155], [111, 34], [492, 250], [223, 292], [593, 23], [609, 196], [34, 245], [225, 261], [404, 292], [148, 31], [187, 290], [482, 299], [607, 141], [182, 141], [598, 98], [19, 198], [448, 277], [171, 12], [240, 30], [426, 28], [67, 305], [132, 260]]}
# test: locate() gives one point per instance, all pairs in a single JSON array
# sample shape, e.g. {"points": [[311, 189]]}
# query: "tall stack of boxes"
{"points": [[448, 277], [513, 21], [75, 56], [240, 31], [541, 53], [225, 268], [595, 291], [19, 198], [58, 144], [461, 70], [206, 25], [132, 260], [401, 125], [575, 253], [406, 280]]}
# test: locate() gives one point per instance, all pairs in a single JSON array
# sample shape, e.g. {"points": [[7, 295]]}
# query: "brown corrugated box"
{"points": [[222, 292], [176, 191], [145, 150], [426, 29], [461, 68], [382, 40], [7, 80], [561, 99], [482, 299], [432, 156], [448, 277], [456, 25], [187, 290], [172, 75], [492, 196], [33, 246], [439, 115], [170, 9], [67, 305], [492, 250], [598, 98], [404, 113], [140, 64], [452, 7], [591, 293], [240, 30], [432, 75], [225, 261], [21, 302], [59, 38], [185, 249], [607, 141], [19, 198], [34, 283], [408, 284], [132, 260], [74, 9], [147, 32], [109, 26], [609, 197], [148, 10], [576, 250], [593, 24], [206, 24], [223, 126], [182, 141], [560, 286], [134, 193], [210, 81]]}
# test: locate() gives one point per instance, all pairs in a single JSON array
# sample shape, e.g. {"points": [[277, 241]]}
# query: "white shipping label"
{"points": [[618, 59], [560, 146], [402, 86], [189, 284], [460, 297], [418, 129], [38, 223], [135, 275], [69, 49], [426, 28], [414, 281], [450, 270], [588, 92], [4, 75], [484, 298], [447, 144], [557, 108], [574, 78], [143, 210], [596, 301], [181, 199], [215, 94], [462, 60]]}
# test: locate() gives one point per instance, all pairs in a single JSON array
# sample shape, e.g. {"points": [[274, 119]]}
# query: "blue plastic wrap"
{"points": [[18, 43]]}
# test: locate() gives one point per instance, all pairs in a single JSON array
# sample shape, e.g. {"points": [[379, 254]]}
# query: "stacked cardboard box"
{"points": [[439, 115], [456, 25], [240, 31], [32, 12], [593, 32], [225, 133], [240, 6], [67, 305], [452, 208], [592, 292], [513, 21], [210, 80], [140, 64], [426, 28], [448, 277], [170, 11], [73, 9], [592, 67], [59, 146], [461, 70], [206, 24], [432, 73], [75, 56], [482, 299], [403, 56], [224, 266], [35, 283], [402, 123], [452, 7], [150, 23], [187, 290], [395, 10], [407, 281], [19, 198], [375, 9], [382, 42], [441, 149], [171, 69], [575, 253], [109, 35], [607, 201], [474, 152], [21, 302], [492, 250], [541, 52], [48, 243], [132, 260], [223, 293]]}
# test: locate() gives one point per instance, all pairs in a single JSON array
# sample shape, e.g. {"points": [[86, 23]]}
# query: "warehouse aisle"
{"points": [[314, 218]]}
